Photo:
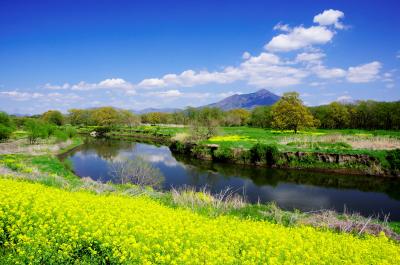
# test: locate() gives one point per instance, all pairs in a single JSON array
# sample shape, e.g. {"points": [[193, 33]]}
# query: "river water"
{"points": [[290, 189]]}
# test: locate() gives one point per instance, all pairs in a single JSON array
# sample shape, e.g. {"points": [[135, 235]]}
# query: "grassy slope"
{"points": [[60, 226]]}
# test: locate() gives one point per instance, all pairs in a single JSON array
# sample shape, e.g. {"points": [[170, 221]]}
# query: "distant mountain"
{"points": [[262, 97], [148, 110]]}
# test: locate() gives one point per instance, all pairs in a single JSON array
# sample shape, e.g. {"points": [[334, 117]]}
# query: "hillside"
{"points": [[262, 97]]}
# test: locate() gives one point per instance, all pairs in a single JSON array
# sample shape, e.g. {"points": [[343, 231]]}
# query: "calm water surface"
{"points": [[290, 189]]}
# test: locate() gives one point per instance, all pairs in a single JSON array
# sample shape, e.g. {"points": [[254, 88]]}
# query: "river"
{"points": [[290, 189]]}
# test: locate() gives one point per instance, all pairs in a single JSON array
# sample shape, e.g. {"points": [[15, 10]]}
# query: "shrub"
{"points": [[272, 154], [393, 157], [201, 151], [101, 131], [257, 153], [36, 129], [5, 132], [264, 153], [60, 135], [137, 171], [70, 131], [6, 126], [223, 154]]}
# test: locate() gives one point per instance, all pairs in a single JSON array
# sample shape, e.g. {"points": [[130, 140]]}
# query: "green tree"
{"points": [[6, 126], [290, 113], [36, 129], [337, 116], [128, 118], [261, 117], [236, 117], [106, 116], [53, 117], [80, 117]]}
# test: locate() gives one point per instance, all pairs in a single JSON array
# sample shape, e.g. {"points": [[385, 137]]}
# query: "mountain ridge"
{"points": [[262, 97]]}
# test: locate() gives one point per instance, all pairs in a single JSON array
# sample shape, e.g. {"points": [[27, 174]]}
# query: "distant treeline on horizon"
{"points": [[370, 115]]}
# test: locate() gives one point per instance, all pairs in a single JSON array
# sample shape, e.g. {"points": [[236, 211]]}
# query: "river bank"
{"points": [[341, 161]]}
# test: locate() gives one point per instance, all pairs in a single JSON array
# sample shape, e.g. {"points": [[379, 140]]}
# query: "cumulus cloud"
{"points": [[364, 73], [266, 69], [330, 17], [57, 87], [310, 57], [246, 55], [282, 27], [344, 99], [20, 96], [299, 37], [328, 73], [43, 97], [110, 83], [169, 93]]}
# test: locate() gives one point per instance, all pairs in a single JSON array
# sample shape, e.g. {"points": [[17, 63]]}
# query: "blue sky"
{"points": [[139, 54]]}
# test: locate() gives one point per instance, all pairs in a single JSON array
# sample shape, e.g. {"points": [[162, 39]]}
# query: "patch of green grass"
{"points": [[395, 226], [76, 141]]}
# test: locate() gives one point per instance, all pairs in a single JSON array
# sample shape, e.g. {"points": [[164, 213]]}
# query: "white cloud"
{"points": [[309, 57], [364, 73], [49, 97], [330, 17], [317, 84], [246, 55], [169, 93], [282, 27], [57, 87], [398, 55], [20, 96], [298, 38], [328, 73], [110, 83], [115, 83], [345, 98]]}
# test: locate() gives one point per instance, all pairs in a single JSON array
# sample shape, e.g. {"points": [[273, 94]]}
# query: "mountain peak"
{"points": [[262, 97]]}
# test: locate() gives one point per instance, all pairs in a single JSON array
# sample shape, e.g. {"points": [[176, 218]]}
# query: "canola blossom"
{"points": [[43, 225], [229, 138]]}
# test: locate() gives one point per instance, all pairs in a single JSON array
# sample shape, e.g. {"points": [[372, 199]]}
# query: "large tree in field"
{"points": [[53, 117], [106, 116], [289, 113]]}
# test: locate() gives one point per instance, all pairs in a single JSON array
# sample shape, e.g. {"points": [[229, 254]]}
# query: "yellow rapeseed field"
{"points": [[43, 225]]}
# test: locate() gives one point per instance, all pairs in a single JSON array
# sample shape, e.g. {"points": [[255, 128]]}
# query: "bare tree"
{"points": [[136, 171]]}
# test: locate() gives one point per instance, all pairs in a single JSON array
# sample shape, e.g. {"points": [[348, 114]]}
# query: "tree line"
{"points": [[288, 113]]}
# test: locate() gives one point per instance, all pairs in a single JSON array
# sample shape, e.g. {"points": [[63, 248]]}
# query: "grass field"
{"points": [[311, 140], [81, 228]]}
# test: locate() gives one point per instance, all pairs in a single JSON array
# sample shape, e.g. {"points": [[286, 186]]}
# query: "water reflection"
{"points": [[290, 189]]}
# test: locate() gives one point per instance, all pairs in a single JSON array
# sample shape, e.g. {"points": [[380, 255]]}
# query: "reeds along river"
{"points": [[290, 189]]}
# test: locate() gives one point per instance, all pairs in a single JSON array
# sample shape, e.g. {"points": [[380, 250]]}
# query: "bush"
{"points": [[6, 126], [70, 131], [257, 153], [272, 154], [264, 153], [223, 154], [60, 135], [5, 132], [201, 151], [37, 129], [393, 157], [101, 131]]}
